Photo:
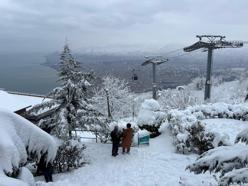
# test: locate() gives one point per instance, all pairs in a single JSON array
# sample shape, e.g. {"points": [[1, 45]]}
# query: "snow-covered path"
{"points": [[156, 164]]}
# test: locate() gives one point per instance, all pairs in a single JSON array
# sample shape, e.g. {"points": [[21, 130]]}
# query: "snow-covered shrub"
{"points": [[199, 82], [242, 136], [179, 121], [236, 176], [69, 156], [176, 99], [221, 159], [230, 161], [150, 116], [200, 140], [18, 138], [196, 139]]}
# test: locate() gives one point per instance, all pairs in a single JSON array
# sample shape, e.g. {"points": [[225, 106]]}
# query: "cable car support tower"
{"points": [[155, 61], [209, 43]]}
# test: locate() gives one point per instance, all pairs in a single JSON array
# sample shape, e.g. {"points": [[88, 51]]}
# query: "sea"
{"points": [[26, 73]]}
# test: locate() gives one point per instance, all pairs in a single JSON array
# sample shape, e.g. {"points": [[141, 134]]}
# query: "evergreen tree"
{"points": [[69, 68], [70, 108]]}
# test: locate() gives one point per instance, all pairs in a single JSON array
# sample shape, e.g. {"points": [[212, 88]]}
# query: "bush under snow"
{"points": [[230, 161], [221, 159], [176, 98], [236, 176], [150, 116], [181, 121], [18, 138], [242, 136], [69, 156]]}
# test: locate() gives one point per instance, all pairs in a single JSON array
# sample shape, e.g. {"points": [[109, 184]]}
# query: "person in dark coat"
{"points": [[46, 168], [115, 138], [127, 138]]}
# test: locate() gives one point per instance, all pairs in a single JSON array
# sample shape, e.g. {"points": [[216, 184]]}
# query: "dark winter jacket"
{"points": [[115, 136]]}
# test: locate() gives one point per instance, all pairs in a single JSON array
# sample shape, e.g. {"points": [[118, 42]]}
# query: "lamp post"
{"points": [[134, 78], [108, 105]]}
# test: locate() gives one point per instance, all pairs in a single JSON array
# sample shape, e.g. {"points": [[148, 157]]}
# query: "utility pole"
{"points": [[211, 42], [154, 61]]}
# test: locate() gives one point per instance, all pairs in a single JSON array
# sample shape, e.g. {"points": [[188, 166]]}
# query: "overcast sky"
{"points": [[43, 25]]}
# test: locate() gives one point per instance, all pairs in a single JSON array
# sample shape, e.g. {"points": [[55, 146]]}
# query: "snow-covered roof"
{"points": [[13, 102], [17, 136]]}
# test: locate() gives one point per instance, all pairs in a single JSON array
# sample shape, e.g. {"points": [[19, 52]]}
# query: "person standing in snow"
{"points": [[115, 138], [127, 137]]}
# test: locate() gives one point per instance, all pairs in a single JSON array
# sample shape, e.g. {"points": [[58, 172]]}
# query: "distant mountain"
{"points": [[180, 69]]}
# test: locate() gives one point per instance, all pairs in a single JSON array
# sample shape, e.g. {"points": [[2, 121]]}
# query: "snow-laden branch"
{"points": [[236, 176], [242, 136]]}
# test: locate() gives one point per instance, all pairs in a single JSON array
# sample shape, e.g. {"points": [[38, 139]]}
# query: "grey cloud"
{"points": [[94, 22]]}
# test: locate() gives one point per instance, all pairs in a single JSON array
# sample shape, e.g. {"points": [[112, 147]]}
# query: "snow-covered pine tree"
{"points": [[69, 68], [69, 108]]}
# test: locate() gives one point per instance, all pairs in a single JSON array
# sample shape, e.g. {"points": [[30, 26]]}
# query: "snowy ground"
{"points": [[156, 164], [226, 127]]}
